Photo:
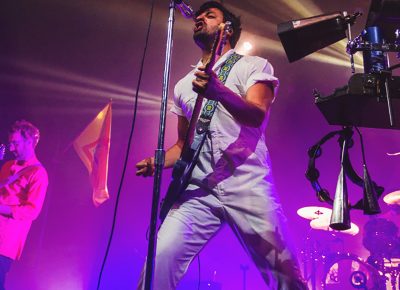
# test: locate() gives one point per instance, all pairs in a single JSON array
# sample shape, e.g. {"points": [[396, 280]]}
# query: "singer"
{"points": [[232, 182], [23, 186]]}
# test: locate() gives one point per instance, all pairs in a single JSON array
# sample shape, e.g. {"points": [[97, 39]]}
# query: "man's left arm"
{"points": [[249, 111]]}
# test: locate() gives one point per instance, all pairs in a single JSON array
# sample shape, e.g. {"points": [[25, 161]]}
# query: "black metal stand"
{"points": [[159, 155], [244, 269], [312, 254]]}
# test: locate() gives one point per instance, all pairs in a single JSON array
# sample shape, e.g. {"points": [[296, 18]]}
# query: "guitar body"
{"points": [[181, 175]]}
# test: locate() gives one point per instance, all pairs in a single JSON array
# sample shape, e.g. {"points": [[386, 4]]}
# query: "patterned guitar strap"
{"points": [[17, 175], [203, 123]]}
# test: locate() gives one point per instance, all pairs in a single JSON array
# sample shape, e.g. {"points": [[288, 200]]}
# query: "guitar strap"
{"points": [[17, 175], [203, 123]]}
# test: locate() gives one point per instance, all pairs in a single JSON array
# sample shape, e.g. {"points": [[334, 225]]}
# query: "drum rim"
{"points": [[332, 259]]}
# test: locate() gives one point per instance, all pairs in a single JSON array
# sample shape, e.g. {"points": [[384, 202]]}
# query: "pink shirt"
{"points": [[25, 196]]}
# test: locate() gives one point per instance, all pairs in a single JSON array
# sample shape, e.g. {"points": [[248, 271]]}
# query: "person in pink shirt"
{"points": [[23, 186]]}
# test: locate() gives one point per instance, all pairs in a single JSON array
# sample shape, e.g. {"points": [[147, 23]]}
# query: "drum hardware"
{"points": [[361, 103], [312, 256], [382, 241], [316, 251], [348, 272], [389, 269], [392, 269], [371, 99], [368, 98], [313, 253], [340, 218], [338, 270], [365, 101], [326, 266]]}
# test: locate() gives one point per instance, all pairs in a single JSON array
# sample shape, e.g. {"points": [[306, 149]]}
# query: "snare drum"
{"points": [[349, 272]]}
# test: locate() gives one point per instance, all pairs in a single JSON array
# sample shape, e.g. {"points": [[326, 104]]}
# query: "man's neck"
{"points": [[206, 54], [28, 156]]}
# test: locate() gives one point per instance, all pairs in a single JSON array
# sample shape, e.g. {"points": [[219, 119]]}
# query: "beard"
{"points": [[204, 40]]}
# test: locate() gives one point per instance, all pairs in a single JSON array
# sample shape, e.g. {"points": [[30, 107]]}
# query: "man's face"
{"points": [[206, 25], [20, 146]]}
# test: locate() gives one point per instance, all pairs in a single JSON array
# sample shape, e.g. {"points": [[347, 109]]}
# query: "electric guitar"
{"points": [[183, 168]]}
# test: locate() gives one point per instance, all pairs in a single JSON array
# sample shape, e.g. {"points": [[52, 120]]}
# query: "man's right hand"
{"points": [[5, 210], [145, 167]]}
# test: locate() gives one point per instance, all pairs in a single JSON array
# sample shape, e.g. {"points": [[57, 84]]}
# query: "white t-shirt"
{"points": [[234, 156]]}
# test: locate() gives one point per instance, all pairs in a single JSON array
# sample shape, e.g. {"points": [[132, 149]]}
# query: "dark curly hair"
{"points": [[228, 16]]}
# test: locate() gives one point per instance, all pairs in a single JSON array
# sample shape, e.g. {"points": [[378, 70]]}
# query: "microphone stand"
{"points": [[159, 157]]}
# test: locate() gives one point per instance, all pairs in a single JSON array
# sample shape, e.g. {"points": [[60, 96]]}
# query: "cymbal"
{"points": [[392, 198], [314, 212], [323, 224]]}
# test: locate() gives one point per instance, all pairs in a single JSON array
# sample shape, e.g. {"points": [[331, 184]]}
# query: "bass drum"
{"points": [[349, 272]]}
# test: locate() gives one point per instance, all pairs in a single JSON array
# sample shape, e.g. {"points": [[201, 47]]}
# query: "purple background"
{"points": [[61, 61]]}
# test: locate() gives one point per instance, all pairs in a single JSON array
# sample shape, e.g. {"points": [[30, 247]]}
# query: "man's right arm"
{"points": [[146, 166]]}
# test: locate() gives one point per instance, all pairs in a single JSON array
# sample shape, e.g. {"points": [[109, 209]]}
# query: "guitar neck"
{"points": [[216, 51]]}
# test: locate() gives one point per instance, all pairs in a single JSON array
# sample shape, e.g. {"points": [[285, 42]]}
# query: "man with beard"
{"points": [[23, 186], [232, 181]]}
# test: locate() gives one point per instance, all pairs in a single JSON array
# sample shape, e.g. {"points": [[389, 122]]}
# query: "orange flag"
{"points": [[93, 147]]}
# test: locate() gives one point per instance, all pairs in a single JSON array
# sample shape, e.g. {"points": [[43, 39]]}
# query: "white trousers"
{"points": [[199, 216]]}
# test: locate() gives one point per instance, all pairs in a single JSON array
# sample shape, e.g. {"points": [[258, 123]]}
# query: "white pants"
{"points": [[199, 216]]}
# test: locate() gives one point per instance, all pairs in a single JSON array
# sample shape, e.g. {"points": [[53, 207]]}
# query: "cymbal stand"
{"points": [[311, 254], [394, 273]]}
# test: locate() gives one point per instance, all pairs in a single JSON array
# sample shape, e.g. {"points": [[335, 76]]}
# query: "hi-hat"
{"points": [[314, 212], [392, 198], [323, 224]]}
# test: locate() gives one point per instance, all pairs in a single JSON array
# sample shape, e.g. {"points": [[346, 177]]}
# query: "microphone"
{"points": [[2, 151], [185, 9]]}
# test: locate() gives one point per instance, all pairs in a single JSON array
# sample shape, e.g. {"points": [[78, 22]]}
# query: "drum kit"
{"points": [[327, 266]]}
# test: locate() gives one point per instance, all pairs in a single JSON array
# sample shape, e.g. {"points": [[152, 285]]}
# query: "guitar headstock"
{"points": [[224, 28], [220, 39]]}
